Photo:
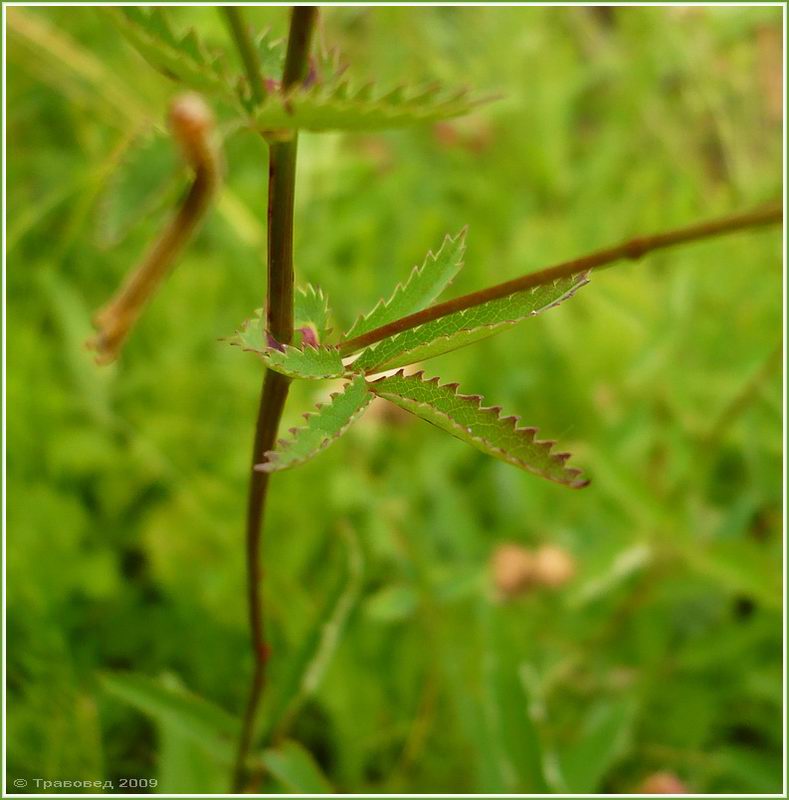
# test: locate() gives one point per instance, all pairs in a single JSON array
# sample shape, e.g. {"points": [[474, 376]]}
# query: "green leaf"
{"points": [[313, 363], [168, 702], [465, 327], [514, 750], [309, 362], [323, 428], [182, 765], [272, 55], [602, 739], [393, 603], [334, 106], [311, 309], [295, 768], [465, 417], [181, 57], [423, 287]]}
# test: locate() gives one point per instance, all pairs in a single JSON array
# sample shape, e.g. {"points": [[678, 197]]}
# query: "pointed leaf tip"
{"points": [[464, 327], [322, 428], [181, 57], [423, 286], [466, 418]]}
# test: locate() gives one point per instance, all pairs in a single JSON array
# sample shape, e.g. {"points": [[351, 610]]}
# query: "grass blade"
{"points": [[295, 768]]}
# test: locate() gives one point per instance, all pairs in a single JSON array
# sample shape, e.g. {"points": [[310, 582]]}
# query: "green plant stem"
{"points": [[246, 49], [279, 317], [632, 250]]}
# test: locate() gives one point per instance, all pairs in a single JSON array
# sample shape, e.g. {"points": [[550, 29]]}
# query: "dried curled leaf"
{"points": [[179, 56], [305, 361], [335, 106], [464, 327], [322, 428], [465, 417], [422, 288]]}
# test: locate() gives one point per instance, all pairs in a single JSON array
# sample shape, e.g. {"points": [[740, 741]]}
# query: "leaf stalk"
{"points": [[632, 250]]}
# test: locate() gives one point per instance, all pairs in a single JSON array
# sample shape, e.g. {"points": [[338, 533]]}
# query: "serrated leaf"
{"points": [[422, 288], [333, 106], [465, 327], [322, 428], [311, 309], [181, 57], [311, 363], [465, 417], [306, 361]]}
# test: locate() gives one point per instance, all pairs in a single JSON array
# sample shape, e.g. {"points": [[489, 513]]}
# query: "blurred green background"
{"points": [[126, 485]]}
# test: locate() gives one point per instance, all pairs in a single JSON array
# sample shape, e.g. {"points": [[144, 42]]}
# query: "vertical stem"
{"points": [[281, 186], [279, 317]]}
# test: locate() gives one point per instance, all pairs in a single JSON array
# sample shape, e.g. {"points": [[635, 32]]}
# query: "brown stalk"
{"points": [[279, 322], [632, 250]]}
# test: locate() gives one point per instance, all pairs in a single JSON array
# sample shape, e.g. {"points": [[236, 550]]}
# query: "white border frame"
{"points": [[782, 5]]}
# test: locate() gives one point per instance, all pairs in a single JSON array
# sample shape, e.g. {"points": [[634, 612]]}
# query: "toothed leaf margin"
{"points": [[337, 107], [465, 327], [322, 428], [179, 56], [466, 418], [306, 361], [424, 285]]}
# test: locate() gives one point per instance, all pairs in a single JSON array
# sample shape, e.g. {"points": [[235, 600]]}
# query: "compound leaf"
{"points": [[335, 106], [465, 417], [464, 327], [181, 57], [322, 428], [423, 286], [304, 361]]}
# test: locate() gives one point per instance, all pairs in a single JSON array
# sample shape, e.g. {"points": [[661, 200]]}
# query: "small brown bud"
{"points": [[553, 565], [662, 783], [513, 569]]}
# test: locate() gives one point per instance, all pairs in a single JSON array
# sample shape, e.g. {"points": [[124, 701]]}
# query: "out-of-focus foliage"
{"points": [[396, 667]]}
